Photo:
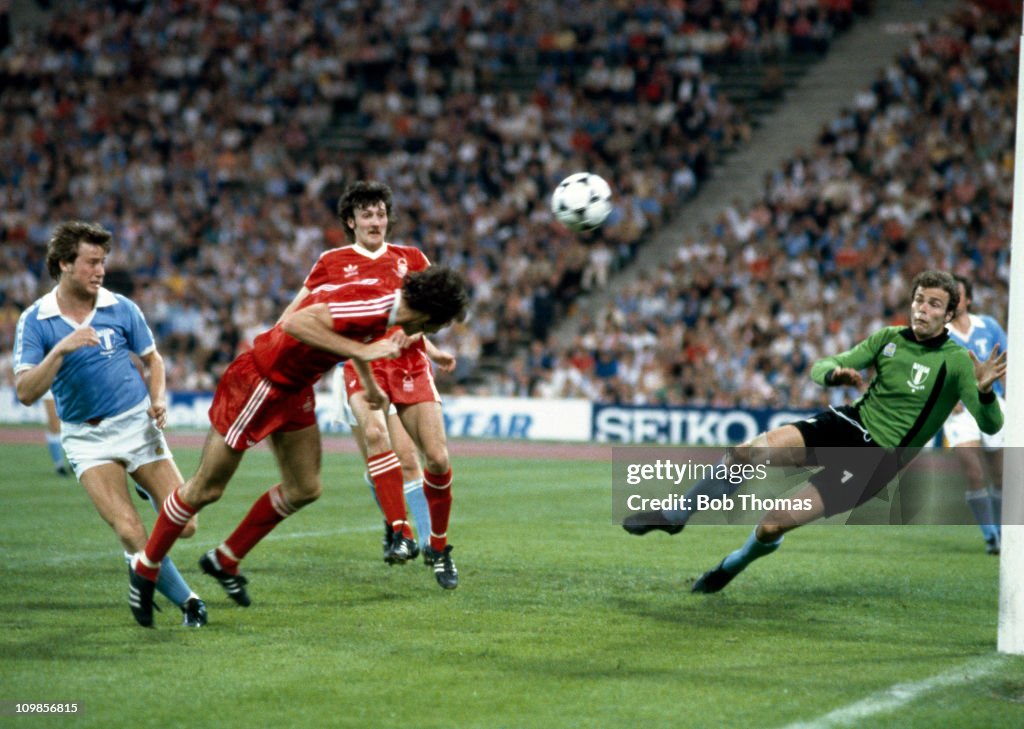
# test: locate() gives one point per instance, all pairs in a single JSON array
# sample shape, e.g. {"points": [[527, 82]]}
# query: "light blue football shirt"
{"points": [[93, 382], [983, 335]]}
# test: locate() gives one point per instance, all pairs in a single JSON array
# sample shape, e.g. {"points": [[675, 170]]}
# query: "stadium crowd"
{"points": [[194, 131], [917, 173]]}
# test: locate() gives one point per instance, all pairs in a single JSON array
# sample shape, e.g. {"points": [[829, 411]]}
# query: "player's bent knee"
{"points": [[304, 496], [198, 497], [376, 438], [129, 529], [437, 461], [190, 529], [410, 464], [770, 531], [753, 451], [435, 455]]}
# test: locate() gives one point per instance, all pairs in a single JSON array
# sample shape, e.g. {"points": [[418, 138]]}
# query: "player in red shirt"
{"points": [[268, 391], [390, 443]]}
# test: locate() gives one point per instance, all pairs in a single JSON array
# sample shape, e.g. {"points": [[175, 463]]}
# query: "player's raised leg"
{"points": [[298, 457], [765, 539], [783, 446], [216, 466], [156, 480]]}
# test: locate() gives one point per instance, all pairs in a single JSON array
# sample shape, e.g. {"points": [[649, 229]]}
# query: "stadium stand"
{"points": [[214, 139], [916, 173]]}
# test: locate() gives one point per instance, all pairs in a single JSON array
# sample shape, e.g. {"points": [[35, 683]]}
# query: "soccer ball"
{"points": [[582, 201]]}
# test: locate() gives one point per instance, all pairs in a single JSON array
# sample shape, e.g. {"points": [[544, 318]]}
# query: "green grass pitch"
{"points": [[561, 619]]}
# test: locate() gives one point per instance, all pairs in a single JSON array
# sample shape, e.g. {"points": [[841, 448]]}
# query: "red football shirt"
{"points": [[362, 309], [389, 263]]}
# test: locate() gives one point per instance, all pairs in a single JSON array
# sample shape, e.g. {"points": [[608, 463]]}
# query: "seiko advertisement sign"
{"points": [[690, 426]]}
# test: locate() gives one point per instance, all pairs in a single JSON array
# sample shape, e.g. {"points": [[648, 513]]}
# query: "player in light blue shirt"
{"points": [[81, 341], [976, 450]]}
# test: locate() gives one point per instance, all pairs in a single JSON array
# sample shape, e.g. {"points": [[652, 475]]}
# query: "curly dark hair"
{"points": [[63, 245], [938, 280], [362, 194], [439, 292]]}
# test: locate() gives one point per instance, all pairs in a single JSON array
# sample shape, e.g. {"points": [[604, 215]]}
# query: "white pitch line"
{"points": [[323, 533], [902, 694], [115, 553], [86, 556]]}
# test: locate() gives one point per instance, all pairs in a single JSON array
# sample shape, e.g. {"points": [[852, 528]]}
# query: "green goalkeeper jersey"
{"points": [[915, 387]]}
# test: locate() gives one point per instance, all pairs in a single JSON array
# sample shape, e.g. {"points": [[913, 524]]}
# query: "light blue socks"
{"points": [[417, 503], [983, 508], [169, 582], [752, 549], [56, 451], [419, 510]]}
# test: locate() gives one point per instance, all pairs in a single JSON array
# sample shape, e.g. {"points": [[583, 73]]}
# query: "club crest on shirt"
{"points": [[918, 375], [402, 266], [106, 337], [889, 350]]}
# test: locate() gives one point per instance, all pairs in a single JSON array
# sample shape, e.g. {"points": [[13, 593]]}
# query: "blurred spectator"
{"points": [[917, 174], [198, 133]]}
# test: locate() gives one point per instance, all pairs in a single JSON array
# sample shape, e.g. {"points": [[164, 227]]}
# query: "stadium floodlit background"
{"points": [[781, 170]]}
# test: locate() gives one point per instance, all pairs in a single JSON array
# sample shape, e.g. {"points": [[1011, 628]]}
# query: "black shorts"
{"points": [[853, 467]]}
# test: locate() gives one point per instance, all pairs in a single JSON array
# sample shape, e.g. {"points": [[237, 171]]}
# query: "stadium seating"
{"points": [[214, 140]]}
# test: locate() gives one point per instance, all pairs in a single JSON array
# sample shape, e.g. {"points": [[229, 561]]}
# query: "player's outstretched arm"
{"points": [[443, 359], [375, 396], [312, 326], [844, 369], [976, 392], [844, 376], [989, 370], [303, 293]]}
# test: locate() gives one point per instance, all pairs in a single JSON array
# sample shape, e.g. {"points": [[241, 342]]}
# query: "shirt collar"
{"points": [[48, 306], [394, 308], [934, 343], [372, 255]]}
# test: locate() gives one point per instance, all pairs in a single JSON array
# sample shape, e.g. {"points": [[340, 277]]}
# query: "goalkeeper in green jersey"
{"points": [[920, 376]]}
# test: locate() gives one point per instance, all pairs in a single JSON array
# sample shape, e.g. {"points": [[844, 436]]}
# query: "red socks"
{"points": [[386, 472], [437, 487], [267, 512], [174, 515]]}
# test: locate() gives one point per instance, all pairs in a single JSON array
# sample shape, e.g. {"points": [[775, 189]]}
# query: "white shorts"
{"points": [[130, 438], [961, 427]]}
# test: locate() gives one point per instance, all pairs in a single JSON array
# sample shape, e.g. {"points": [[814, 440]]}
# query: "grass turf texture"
{"points": [[561, 619]]}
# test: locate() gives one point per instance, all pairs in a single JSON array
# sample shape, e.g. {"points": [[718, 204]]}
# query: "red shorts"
{"points": [[247, 407], [402, 385]]}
